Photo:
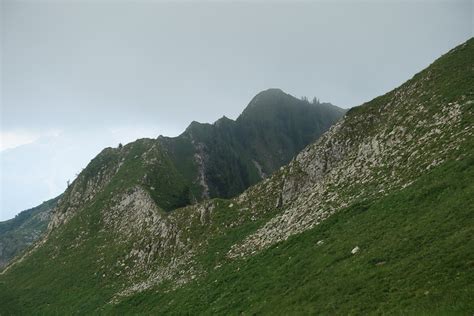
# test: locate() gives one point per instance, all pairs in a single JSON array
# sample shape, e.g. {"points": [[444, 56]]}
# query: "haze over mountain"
{"points": [[376, 216], [79, 76], [205, 161]]}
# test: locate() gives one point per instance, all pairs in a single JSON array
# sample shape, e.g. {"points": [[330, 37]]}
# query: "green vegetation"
{"points": [[415, 258], [415, 247], [49, 283], [409, 212]]}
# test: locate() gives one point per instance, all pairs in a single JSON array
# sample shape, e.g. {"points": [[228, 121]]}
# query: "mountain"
{"points": [[225, 158], [20, 232], [207, 160], [375, 217]]}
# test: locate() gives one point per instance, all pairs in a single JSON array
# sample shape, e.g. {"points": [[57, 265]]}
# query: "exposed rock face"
{"points": [[135, 216], [261, 173], [85, 187], [134, 213], [200, 159], [345, 166]]}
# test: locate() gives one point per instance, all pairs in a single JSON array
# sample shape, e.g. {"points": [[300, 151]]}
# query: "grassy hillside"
{"points": [[393, 179], [415, 258]]}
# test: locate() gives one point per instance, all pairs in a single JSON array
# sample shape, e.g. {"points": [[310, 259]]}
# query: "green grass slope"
{"points": [[415, 258]]}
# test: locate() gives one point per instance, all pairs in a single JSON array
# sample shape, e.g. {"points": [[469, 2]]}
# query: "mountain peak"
{"points": [[196, 126], [270, 95], [272, 91], [223, 120], [274, 104]]}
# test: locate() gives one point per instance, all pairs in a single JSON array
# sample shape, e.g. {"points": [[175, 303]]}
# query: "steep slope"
{"points": [[376, 216], [207, 160], [415, 257], [20, 232]]}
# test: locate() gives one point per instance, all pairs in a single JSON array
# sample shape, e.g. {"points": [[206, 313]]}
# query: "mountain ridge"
{"points": [[181, 159], [373, 217]]}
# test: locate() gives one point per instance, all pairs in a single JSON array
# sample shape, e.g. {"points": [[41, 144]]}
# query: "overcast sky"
{"points": [[77, 76]]}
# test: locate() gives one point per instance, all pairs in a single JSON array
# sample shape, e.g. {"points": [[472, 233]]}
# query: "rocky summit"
{"points": [[375, 216]]}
